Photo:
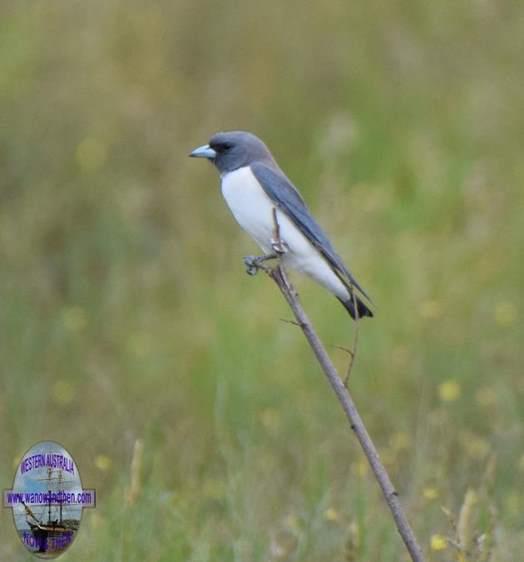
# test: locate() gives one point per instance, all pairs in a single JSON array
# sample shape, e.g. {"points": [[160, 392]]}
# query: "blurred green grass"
{"points": [[125, 312]]}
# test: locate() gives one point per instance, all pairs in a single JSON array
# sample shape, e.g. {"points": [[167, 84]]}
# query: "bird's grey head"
{"points": [[231, 150]]}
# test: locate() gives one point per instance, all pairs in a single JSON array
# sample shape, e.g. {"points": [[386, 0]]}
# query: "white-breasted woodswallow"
{"points": [[264, 202]]}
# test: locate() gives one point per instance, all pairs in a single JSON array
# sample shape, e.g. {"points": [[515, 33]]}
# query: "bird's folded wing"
{"points": [[285, 196]]}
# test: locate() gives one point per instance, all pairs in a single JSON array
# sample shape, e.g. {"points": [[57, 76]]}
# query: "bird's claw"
{"points": [[252, 264]]}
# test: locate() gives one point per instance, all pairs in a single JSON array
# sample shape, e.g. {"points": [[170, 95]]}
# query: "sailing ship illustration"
{"points": [[56, 533]]}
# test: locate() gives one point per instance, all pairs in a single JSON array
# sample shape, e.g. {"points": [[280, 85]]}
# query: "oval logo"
{"points": [[47, 499]]}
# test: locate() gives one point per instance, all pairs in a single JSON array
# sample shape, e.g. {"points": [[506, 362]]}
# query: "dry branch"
{"points": [[278, 275]]}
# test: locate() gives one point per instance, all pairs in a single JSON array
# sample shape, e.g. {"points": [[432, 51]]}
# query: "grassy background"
{"points": [[125, 313]]}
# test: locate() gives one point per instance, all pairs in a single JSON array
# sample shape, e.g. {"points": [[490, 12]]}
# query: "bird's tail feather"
{"points": [[362, 308]]}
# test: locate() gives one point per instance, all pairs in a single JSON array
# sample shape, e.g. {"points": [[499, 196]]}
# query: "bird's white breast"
{"points": [[253, 210], [250, 205]]}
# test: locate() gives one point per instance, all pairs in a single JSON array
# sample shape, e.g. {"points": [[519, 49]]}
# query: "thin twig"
{"points": [[287, 321], [357, 425], [344, 349], [353, 354]]}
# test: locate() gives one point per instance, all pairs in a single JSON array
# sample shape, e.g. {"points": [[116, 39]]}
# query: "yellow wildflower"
{"points": [[449, 391], [438, 542], [103, 462], [430, 493], [331, 514]]}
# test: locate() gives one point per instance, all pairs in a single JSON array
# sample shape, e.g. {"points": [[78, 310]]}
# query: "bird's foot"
{"points": [[279, 246], [253, 264]]}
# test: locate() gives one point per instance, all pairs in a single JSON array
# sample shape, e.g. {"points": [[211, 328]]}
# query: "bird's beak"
{"points": [[204, 151]]}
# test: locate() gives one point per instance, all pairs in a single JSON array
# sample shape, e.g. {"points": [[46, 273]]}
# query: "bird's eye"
{"points": [[221, 146]]}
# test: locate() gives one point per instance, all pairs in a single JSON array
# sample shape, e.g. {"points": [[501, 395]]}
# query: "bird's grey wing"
{"points": [[286, 196]]}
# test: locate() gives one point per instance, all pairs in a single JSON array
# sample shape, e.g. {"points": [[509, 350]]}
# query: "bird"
{"points": [[271, 210]]}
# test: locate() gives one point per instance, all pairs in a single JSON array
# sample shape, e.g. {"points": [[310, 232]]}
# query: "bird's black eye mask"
{"points": [[221, 146]]}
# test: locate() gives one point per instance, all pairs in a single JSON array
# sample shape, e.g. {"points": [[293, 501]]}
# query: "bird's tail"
{"points": [[362, 308]]}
